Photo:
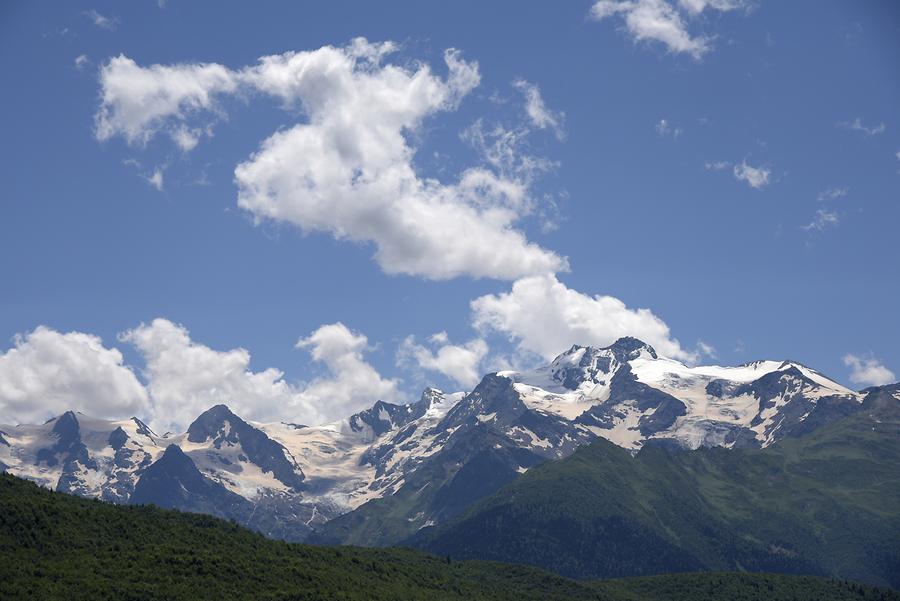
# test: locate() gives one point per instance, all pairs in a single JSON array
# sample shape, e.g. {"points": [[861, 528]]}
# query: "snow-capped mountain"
{"points": [[631, 396], [625, 393], [428, 460]]}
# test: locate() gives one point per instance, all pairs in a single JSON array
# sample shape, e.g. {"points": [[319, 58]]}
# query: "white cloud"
{"points": [[101, 21], [660, 21], [348, 170], [460, 363], [868, 371], [137, 102], [186, 138], [505, 151], [716, 165], [695, 7], [155, 179], [46, 373], [186, 378], [832, 194], [542, 315], [858, 125], [706, 349], [538, 113], [82, 61], [822, 220], [352, 384], [664, 128], [756, 177]]}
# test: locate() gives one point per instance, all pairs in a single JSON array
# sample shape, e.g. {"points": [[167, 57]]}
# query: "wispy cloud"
{"points": [[858, 125], [716, 165], [538, 114], [664, 22], [102, 21], [832, 194], [665, 128], [822, 220], [155, 179], [82, 61], [705, 349], [755, 177]]}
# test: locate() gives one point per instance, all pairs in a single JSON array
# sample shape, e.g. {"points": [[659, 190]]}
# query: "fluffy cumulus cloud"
{"points": [[755, 177], [544, 316], [868, 371], [352, 384], [460, 363], [663, 21], [138, 102], [47, 372], [537, 111], [185, 378], [347, 169]]}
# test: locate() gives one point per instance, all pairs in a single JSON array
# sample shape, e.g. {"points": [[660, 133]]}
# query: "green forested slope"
{"points": [[55, 546]]}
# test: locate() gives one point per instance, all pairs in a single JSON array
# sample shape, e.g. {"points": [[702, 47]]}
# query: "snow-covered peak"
{"points": [[750, 404], [436, 403], [586, 369], [213, 422], [674, 373]]}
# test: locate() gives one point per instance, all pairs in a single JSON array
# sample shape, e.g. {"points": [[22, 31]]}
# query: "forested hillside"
{"points": [[56, 546]]}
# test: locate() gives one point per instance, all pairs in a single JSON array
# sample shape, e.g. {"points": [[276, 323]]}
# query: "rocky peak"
{"points": [[628, 348], [430, 397], [68, 440], [142, 428], [118, 438], [66, 426], [596, 365], [210, 423], [220, 425], [383, 416]]}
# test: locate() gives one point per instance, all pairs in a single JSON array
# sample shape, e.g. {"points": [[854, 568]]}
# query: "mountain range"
{"points": [[407, 473]]}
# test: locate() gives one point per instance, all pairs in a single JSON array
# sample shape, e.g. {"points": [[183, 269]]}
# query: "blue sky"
{"points": [[732, 167]]}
